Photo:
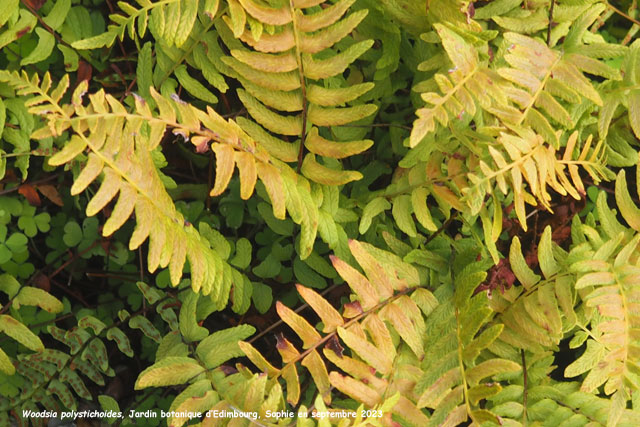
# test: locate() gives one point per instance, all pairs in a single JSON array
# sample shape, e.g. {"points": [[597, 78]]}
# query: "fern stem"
{"points": [[465, 386], [297, 311], [352, 321], [624, 15], [303, 87], [129, 116], [551, 7], [535, 96], [525, 383], [53, 32]]}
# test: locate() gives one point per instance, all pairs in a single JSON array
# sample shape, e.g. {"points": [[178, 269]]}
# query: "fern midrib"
{"points": [[510, 166], [112, 164], [194, 131], [303, 86], [410, 187], [456, 88], [345, 326], [535, 96], [625, 305], [465, 386]]}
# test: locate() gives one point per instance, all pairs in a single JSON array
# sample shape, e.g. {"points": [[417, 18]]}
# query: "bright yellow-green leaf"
{"points": [[46, 42], [238, 17], [224, 167], [324, 175], [406, 328], [169, 371], [628, 208], [355, 389], [272, 181], [189, 327], [9, 285], [366, 351], [371, 210], [257, 359], [548, 264], [401, 212], [6, 365], [290, 375], [338, 150], [20, 333], [372, 268], [368, 296], [314, 363], [38, 297], [71, 149], [265, 14], [525, 275]]}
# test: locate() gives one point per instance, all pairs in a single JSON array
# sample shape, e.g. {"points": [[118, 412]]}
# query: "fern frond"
{"points": [[120, 145], [375, 303], [285, 72], [588, 294], [54, 379], [534, 163], [170, 21], [536, 315], [622, 95], [607, 282], [468, 86], [630, 212], [555, 403], [444, 376], [555, 77], [456, 368]]}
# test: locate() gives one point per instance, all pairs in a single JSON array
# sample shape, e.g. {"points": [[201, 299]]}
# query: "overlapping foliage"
{"points": [[501, 135]]}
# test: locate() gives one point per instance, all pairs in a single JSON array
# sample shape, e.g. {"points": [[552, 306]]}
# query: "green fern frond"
{"points": [[456, 380], [518, 164], [170, 21], [54, 379], [536, 315], [587, 294], [623, 95], [606, 281]]}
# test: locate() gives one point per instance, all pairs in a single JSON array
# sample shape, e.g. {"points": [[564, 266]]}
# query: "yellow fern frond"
{"points": [[532, 162], [277, 71], [119, 145]]}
